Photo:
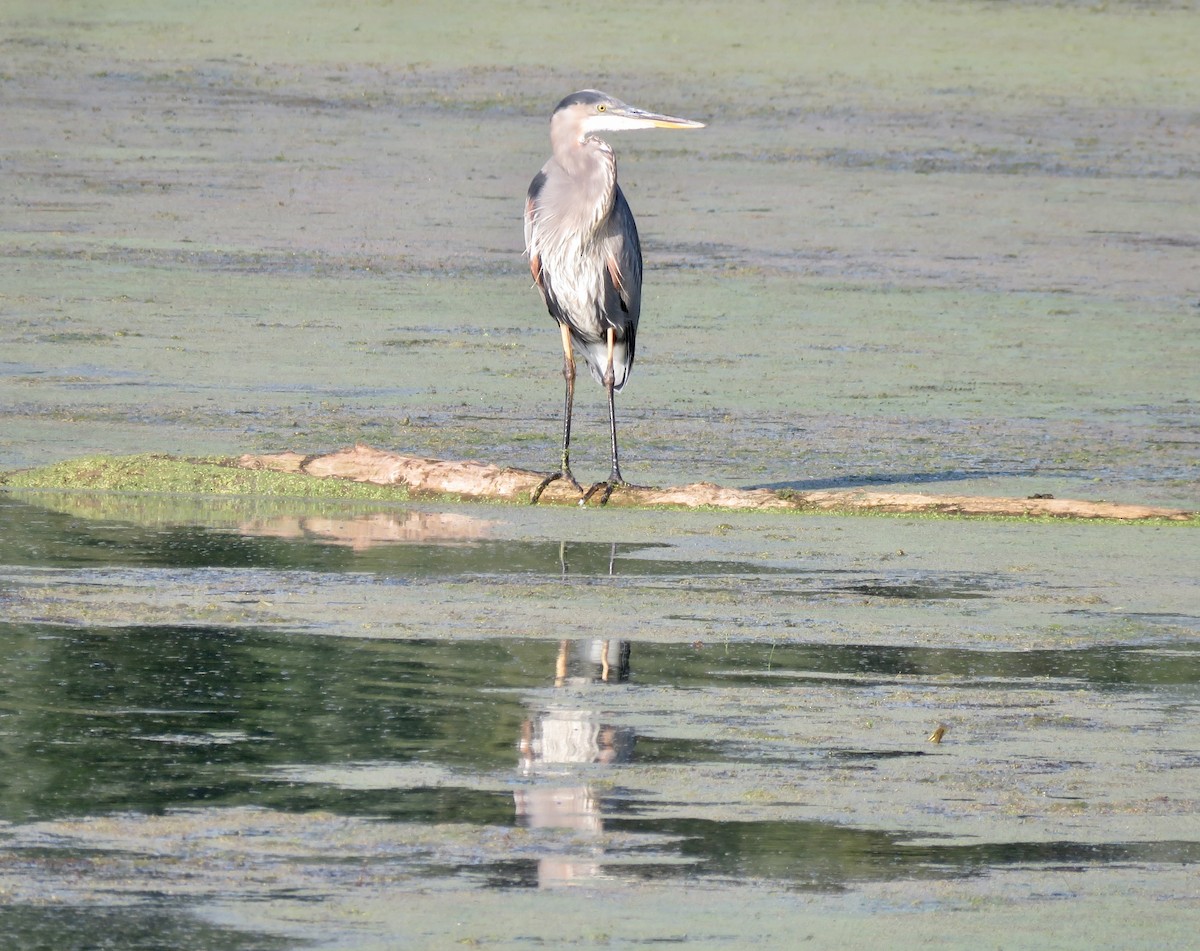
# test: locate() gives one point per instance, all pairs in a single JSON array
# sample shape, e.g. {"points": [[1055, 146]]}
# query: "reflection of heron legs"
{"points": [[614, 475], [560, 663], [569, 402]]}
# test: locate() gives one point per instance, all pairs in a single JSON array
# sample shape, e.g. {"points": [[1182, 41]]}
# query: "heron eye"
{"points": [[601, 107]]}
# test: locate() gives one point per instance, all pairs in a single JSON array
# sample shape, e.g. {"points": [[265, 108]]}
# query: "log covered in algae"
{"points": [[485, 481]]}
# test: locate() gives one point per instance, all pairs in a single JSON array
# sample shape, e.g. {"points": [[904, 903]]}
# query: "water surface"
{"points": [[155, 756], [944, 247]]}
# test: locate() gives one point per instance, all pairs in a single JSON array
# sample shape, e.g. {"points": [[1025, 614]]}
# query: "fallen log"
{"points": [[484, 481]]}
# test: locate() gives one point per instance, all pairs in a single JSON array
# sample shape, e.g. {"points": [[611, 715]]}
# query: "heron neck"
{"points": [[592, 168]]}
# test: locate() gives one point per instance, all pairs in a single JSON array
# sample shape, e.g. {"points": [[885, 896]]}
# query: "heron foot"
{"points": [[554, 477], [608, 486]]}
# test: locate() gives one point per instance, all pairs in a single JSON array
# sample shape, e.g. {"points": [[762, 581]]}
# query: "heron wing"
{"points": [[623, 257], [531, 244]]}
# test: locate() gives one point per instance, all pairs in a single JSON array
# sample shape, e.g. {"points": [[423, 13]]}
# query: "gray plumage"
{"points": [[584, 253], [580, 233]]}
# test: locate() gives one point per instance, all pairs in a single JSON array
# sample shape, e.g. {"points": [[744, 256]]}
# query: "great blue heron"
{"points": [[584, 254]]}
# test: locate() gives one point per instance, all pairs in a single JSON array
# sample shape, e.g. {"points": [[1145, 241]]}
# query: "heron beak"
{"points": [[619, 117], [654, 120]]}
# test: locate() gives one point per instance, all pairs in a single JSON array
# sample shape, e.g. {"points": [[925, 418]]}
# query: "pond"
{"points": [[222, 717], [936, 247]]}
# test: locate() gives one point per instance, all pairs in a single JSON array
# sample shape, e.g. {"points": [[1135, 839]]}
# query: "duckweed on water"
{"points": [[212, 476]]}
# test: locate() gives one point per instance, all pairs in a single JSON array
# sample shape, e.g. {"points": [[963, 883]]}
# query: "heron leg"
{"points": [[569, 402], [614, 476]]}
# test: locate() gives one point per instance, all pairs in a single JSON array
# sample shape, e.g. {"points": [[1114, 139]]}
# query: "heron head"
{"points": [[590, 111]]}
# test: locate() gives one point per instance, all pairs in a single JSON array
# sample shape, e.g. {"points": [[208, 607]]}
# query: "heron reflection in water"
{"points": [[560, 742]]}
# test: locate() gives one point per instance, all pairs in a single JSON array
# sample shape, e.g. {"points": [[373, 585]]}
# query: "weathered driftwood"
{"points": [[479, 480]]}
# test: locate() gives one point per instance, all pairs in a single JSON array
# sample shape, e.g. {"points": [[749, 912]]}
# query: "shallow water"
{"points": [[185, 739]]}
